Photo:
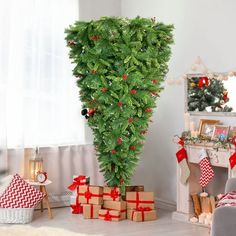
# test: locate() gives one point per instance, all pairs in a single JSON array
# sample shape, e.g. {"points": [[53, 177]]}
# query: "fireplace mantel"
{"points": [[218, 158]]}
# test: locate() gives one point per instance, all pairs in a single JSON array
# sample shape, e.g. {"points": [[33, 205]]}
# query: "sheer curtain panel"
{"points": [[39, 100]]}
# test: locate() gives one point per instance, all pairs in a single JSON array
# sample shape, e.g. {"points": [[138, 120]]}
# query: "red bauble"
{"points": [[119, 141], [148, 110], [113, 151], [119, 104], [94, 38], [130, 120], [124, 77], [133, 91], [154, 81], [103, 90], [132, 148]]}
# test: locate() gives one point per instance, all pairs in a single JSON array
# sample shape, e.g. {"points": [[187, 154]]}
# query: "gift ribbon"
{"points": [[137, 201], [91, 211], [110, 209], [88, 195], [113, 194], [80, 180], [77, 208], [203, 81], [142, 210], [108, 217]]}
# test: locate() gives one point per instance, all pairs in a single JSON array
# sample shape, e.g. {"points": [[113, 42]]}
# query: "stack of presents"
{"points": [[107, 203]]}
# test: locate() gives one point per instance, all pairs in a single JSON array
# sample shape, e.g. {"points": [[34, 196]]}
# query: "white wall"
{"points": [[94, 9], [204, 28]]}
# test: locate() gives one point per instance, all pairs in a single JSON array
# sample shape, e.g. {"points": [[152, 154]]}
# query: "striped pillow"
{"points": [[20, 194]]}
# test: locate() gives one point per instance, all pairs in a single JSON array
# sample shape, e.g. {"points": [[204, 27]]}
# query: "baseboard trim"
{"points": [[64, 200], [165, 205]]}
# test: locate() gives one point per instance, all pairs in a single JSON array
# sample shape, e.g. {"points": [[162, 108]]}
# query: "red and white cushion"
{"points": [[19, 194], [229, 199]]}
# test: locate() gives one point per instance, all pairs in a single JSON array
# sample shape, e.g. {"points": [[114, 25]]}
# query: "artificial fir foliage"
{"points": [[120, 64], [204, 93]]}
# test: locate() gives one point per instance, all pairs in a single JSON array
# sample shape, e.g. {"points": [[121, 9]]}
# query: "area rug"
{"points": [[23, 230]]}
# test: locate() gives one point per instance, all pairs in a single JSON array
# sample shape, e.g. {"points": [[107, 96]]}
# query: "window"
{"points": [[39, 100]]}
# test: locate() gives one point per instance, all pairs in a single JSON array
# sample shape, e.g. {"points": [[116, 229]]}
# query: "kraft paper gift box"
{"points": [[90, 194], [141, 214], [76, 207], [111, 215], [114, 205], [136, 188], [111, 194], [90, 211], [140, 199], [77, 181]]}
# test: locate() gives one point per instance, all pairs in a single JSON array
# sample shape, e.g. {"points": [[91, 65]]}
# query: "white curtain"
{"points": [[39, 100]]}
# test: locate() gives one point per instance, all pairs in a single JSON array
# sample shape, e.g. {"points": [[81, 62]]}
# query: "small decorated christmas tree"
{"points": [[207, 95], [120, 64]]}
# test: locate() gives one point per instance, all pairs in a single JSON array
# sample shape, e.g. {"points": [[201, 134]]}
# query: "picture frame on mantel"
{"points": [[202, 113], [220, 132], [206, 127]]}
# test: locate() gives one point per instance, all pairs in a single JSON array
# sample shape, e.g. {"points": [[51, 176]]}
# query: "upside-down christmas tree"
{"points": [[120, 64]]}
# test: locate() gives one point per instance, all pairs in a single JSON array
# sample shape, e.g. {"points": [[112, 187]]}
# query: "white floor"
{"points": [[164, 226]]}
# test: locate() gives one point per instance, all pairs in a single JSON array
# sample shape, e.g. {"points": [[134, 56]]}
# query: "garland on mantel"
{"points": [[215, 144]]}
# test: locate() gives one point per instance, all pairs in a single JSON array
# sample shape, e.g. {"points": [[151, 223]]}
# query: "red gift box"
{"points": [[90, 194]]}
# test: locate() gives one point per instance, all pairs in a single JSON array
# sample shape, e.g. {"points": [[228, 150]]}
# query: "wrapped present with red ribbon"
{"points": [[118, 206], [90, 211], [111, 194], [89, 194], [140, 199], [141, 214], [77, 181], [76, 207], [134, 188], [111, 215]]}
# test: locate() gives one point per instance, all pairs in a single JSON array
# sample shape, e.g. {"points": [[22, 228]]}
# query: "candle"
{"points": [[192, 126], [186, 121]]}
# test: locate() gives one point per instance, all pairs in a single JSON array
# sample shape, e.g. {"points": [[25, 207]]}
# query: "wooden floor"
{"points": [[164, 226]]}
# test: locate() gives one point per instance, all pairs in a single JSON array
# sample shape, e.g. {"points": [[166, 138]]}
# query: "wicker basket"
{"points": [[16, 215]]}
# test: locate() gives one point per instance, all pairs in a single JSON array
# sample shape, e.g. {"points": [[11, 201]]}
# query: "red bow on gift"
{"points": [[203, 81], [114, 194], [80, 180], [142, 210], [108, 216], [77, 208]]}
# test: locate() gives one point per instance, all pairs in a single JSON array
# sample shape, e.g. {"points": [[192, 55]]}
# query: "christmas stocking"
{"points": [[207, 172], [182, 160]]}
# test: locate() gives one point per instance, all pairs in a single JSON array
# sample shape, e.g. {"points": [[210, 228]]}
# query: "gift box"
{"points": [[111, 194], [141, 214], [77, 181], [137, 188], [90, 194], [111, 215], [76, 207], [90, 211], [114, 205], [135, 200]]}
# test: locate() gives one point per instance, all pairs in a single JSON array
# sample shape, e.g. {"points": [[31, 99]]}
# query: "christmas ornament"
{"points": [[133, 91], [119, 104], [103, 90], [207, 172], [124, 77], [130, 120], [182, 157], [203, 81]]}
